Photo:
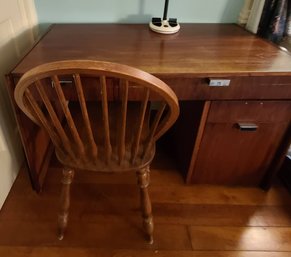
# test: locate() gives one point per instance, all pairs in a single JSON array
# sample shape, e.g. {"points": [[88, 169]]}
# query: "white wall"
{"points": [[17, 22]]}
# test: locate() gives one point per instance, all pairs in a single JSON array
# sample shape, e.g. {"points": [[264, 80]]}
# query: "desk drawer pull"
{"points": [[247, 126], [218, 82]]}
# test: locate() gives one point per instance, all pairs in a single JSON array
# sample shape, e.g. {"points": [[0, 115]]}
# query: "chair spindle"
{"points": [[68, 115], [105, 116], [143, 108], [54, 118], [153, 129], [54, 137], [121, 146], [85, 115]]}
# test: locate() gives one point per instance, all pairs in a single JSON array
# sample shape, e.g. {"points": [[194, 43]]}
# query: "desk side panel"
{"points": [[36, 143]]}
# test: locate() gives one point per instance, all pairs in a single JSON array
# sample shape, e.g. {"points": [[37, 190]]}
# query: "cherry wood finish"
{"points": [[258, 70], [198, 140], [104, 136], [204, 49], [201, 220], [230, 155], [184, 131]]}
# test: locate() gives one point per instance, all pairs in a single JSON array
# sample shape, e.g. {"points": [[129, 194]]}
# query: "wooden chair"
{"points": [[100, 116]]}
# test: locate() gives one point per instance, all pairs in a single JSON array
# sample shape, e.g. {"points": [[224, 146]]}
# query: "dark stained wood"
{"points": [[189, 221], [92, 252], [191, 51], [185, 61], [198, 140], [241, 238], [250, 111], [228, 155], [189, 87], [278, 161], [37, 155], [180, 139]]}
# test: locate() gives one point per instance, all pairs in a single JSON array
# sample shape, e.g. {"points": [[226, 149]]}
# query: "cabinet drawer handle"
{"points": [[247, 126], [213, 82]]}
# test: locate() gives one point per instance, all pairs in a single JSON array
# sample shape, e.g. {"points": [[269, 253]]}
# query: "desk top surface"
{"points": [[196, 50]]}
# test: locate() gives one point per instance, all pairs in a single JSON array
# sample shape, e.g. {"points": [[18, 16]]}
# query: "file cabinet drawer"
{"points": [[239, 141]]}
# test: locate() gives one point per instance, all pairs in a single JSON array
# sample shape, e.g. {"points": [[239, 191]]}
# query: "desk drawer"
{"points": [[189, 88], [239, 141], [249, 111]]}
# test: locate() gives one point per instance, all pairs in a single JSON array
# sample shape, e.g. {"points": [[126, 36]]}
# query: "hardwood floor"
{"points": [[190, 221]]}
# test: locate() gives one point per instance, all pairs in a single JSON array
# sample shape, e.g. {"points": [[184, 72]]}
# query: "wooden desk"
{"points": [[208, 143]]}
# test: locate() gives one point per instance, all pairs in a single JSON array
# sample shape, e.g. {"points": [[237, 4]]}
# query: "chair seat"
{"points": [[100, 163]]}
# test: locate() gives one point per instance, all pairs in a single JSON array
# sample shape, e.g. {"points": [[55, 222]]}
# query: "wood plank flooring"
{"points": [[190, 221]]}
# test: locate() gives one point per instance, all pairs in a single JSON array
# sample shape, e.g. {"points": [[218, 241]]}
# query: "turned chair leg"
{"points": [[143, 178], [67, 179]]}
